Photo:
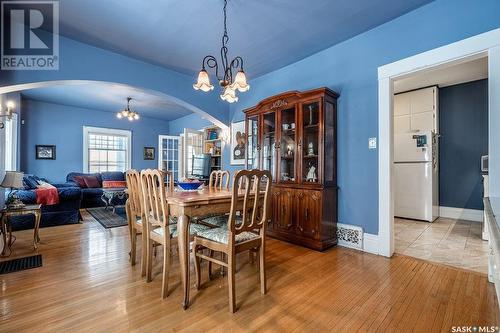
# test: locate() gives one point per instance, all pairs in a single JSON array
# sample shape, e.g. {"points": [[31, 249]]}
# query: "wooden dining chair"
{"points": [[245, 231], [159, 227], [219, 180], [133, 208]]}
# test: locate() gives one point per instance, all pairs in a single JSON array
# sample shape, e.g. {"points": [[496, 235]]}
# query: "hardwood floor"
{"points": [[87, 284]]}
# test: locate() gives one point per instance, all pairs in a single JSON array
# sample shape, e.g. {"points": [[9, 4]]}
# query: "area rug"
{"points": [[21, 264], [107, 218]]}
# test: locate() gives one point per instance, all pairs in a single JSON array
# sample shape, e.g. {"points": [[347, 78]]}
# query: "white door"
{"points": [[192, 144], [413, 191], [170, 154]]}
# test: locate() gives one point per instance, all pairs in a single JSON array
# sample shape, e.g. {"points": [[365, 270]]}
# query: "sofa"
{"points": [[66, 212], [91, 197], [72, 197]]}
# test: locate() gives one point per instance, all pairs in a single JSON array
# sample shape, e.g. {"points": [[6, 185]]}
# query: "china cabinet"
{"points": [[294, 135]]}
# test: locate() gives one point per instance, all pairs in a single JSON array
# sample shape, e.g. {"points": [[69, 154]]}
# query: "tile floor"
{"points": [[452, 242]]}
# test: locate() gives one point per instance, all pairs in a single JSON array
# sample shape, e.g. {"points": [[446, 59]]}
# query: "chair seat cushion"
{"points": [[219, 235], [216, 220], [194, 229]]}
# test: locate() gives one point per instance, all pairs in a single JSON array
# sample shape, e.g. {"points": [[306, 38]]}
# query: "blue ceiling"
{"points": [[268, 34], [109, 97]]}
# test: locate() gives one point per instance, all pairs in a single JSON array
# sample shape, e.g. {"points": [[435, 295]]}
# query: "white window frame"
{"points": [[11, 153], [105, 131]]}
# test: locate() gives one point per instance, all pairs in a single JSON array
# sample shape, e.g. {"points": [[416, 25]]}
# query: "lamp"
{"points": [[229, 95], [227, 81], [13, 180], [127, 112]]}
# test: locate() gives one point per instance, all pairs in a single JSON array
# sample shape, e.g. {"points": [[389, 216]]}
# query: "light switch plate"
{"points": [[372, 143]]}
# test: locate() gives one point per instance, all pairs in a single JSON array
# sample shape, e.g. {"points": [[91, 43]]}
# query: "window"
{"points": [[106, 149], [11, 143]]}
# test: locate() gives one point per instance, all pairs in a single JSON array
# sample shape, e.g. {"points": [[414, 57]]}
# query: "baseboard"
{"points": [[370, 243], [475, 215]]}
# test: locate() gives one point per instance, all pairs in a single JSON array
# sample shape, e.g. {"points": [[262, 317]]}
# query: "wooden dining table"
{"points": [[185, 206]]}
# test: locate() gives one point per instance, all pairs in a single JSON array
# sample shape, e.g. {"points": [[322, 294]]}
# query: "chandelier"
{"points": [[127, 113], [229, 86]]}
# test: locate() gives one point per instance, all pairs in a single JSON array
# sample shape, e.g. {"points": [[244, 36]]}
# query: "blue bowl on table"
{"points": [[190, 186]]}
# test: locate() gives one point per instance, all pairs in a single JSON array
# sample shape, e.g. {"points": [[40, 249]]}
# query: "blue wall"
{"points": [[350, 68], [79, 61], [61, 125], [193, 121], [463, 125]]}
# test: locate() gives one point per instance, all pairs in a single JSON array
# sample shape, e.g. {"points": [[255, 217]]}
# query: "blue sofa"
{"points": [[66, 212], [91, 197], [71, 199]]}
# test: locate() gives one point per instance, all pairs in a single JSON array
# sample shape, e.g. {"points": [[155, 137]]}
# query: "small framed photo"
{"points": [[149, 153], [238, 143], [45, 152]]}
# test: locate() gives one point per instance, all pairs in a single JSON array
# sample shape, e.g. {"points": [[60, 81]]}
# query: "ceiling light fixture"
{"points": [[229, 86], [127, 113]]}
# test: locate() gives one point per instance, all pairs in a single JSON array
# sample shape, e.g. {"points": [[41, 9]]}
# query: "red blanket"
{"points": [[46, 194]]}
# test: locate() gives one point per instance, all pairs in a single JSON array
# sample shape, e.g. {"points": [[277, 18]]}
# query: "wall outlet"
{"points": [[372, 143]]}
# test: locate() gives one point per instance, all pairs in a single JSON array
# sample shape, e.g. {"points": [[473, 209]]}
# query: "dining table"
{"points": [[185, 205]]}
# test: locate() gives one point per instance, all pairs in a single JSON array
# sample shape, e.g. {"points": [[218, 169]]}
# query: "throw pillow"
{"points": [[114, 183], [91, 181], [80, 181], [30, 182]]}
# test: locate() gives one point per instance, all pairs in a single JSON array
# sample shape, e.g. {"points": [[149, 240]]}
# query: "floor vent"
{"points": [[350, 236]]}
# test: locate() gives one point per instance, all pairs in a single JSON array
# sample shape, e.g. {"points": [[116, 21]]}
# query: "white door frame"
{"points": [[485, 44], [185, 158]]}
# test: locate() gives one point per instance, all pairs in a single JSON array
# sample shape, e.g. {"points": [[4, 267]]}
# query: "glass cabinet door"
{"points": [[253, 143], [288, 146], [310, 143], [269, 143]]}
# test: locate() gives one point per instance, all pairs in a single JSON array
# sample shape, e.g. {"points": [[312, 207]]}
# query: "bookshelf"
{"points": [[212, 144]]}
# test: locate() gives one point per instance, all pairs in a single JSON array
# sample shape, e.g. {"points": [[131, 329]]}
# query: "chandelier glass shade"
{"points": [[127, 112], [227, 81]]}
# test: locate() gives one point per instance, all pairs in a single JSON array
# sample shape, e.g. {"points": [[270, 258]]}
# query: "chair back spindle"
{"points": [[154, 198], [134, 192], [250, 196], [219, 179]]}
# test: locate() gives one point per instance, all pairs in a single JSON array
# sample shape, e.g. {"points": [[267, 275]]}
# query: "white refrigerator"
{"points": [[416, 184]]}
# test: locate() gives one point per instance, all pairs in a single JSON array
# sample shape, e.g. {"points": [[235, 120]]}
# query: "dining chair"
{"points": [[133, 208], [159, 227], [245, 231], [219, 180]]}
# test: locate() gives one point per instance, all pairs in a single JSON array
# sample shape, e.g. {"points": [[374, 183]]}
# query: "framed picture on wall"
{"points": [[238, 143], [149, 153], [45, 152]]}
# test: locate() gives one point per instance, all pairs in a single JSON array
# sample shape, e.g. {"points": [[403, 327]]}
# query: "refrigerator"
{"points": [[416, 183]]}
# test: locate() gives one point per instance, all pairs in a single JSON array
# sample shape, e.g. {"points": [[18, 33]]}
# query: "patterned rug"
{"points": [[107, 218]]}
